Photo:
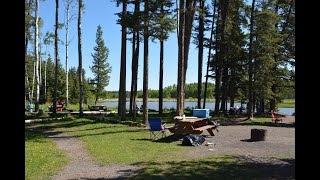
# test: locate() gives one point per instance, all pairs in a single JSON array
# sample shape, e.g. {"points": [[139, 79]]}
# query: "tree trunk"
{"points": [[262, 105], [161, 72], [273, 100], [181, 72], [232, 93], [26, 55], [67, 44], [80, 59], [200, 54], [56, 61], [161, 79], [223, 97], [96, 100], [254, 99], [224, 59], [37, 57], [122, 88], [209, 55], [145, 62], [136, 75], [136, 55], [250, 72], [177, 15], [33, 81], [131, 107], [45, 80], [225, 78], [219, 59], [40, 63], [189, 17], [28, 88]]}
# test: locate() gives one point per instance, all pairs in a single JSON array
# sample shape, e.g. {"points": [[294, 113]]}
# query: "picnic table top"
{"points": [[192, 120]]}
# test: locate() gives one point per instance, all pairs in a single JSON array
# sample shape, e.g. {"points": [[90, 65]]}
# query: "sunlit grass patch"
{"points": [[287, 103], [42, 158]]}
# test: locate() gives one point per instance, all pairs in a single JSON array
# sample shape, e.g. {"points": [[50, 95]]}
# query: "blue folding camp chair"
{"points": [[156, 128]]}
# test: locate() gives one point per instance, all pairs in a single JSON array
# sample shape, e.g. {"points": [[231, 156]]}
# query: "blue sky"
{"points": [[103, 12]]}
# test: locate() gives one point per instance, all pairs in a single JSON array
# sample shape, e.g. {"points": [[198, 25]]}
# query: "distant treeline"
{"points": [[190, 92], [169, 92]]}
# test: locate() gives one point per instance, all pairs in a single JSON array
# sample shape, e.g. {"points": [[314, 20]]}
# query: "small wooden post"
{"points": [[258, 134]]}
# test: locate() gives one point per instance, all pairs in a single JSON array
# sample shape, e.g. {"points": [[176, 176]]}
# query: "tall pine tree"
{"points": [[101, 68]]}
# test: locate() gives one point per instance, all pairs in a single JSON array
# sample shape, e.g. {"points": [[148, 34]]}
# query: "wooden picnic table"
{"points": [[192, 125]]}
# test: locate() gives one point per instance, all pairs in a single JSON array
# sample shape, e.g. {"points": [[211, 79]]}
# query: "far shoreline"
{"points": [[287, 103]]}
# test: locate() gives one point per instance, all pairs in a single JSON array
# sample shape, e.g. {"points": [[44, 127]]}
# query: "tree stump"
{"points": [[258, 134]]}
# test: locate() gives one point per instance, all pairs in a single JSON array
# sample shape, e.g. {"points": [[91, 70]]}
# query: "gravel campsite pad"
{"points": [[279, 142]]}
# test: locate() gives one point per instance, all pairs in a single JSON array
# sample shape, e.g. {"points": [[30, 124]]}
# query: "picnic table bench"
{"points": [[193, 125], [59, 107], [97, 108]]}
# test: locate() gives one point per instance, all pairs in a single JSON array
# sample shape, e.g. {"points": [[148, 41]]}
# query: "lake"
{"points": [[191, 105]]}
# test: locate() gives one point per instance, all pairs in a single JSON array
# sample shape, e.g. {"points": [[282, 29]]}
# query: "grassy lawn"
{"points": [[287, 103], [264, 121], [42, 159], [258, 120], [117, 143]]}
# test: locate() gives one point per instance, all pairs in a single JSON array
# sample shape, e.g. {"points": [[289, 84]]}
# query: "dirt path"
{"points": [[81, 165]]}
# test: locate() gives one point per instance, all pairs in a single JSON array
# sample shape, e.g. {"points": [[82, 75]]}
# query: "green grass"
{"points": [[264, 121], [117, 143], [258, 120], [42, 158], [287, 103]]}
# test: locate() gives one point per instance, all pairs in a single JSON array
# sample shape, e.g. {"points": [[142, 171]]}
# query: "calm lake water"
{"points": [[168, 105]]}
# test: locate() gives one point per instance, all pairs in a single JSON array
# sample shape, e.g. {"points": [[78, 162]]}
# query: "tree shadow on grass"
{"points": [[222, 167], [215, 169], [90, 134], [167, 139], [34, 136], [67, 123], [171, 138], [48, 126]]}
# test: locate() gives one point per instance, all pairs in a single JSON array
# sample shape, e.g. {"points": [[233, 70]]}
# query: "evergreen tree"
{"points": [[101, 68], [200, 40], [163, 23], [73, 86], [264, 47], [283, 72], [234, 53]]}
